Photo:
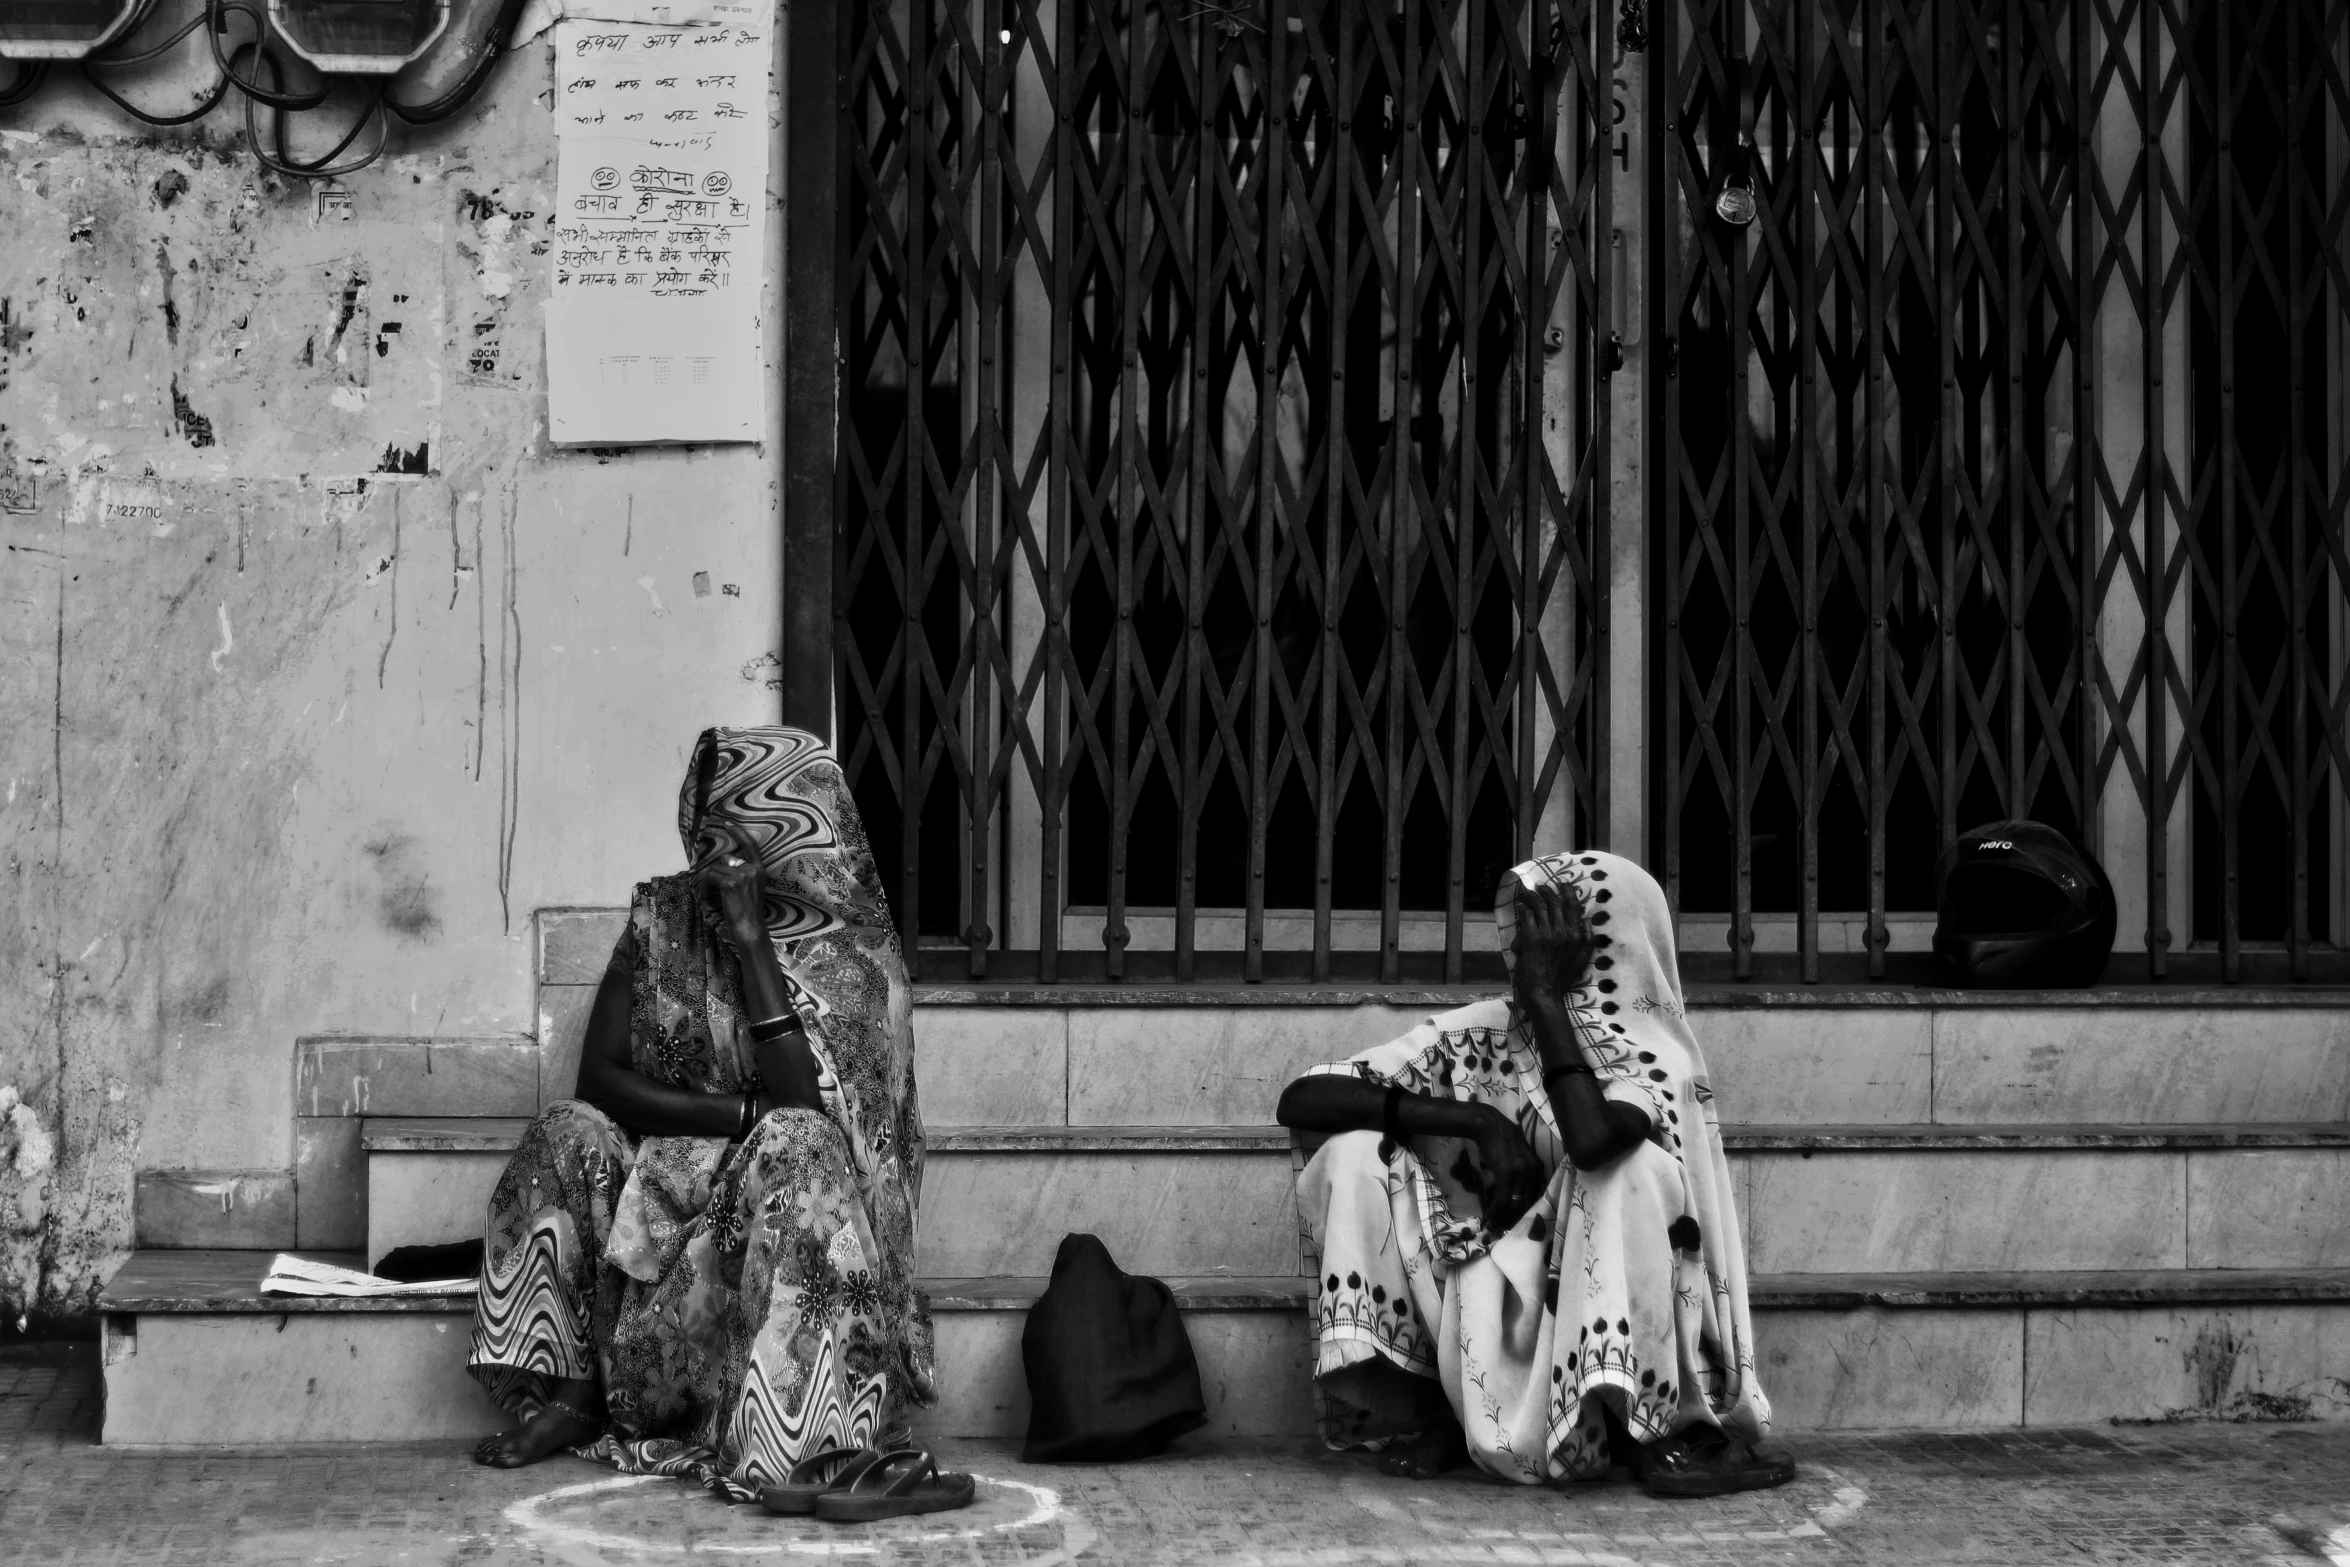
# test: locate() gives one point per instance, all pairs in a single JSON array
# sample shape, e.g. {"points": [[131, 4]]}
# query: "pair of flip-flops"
{"points": [[864, 1485]]}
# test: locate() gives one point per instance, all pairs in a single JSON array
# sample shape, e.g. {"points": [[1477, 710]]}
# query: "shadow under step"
{"points": [[195, 1355], [1178, 1200], [501, 1134]]}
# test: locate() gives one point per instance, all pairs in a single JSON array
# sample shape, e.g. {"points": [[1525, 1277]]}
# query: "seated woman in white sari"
{"points": [[1528, 1251]]}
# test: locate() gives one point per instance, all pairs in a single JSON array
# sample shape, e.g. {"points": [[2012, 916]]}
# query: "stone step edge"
{"points": [[1701, 997], [501, 1134], [226, 1283], [571, 943]]}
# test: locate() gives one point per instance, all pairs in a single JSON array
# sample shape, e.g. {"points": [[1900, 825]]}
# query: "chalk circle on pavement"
{"points": [[581, 1515]]}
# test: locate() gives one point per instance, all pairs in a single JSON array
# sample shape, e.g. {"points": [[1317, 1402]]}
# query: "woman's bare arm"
{"points": [[1325, 1102], [1513, 1175], [1597, 1130], [609, 1080]]}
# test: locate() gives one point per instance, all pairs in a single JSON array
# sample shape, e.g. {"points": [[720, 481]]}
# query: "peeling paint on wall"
{"points": [[256, 784], [414, 459], [237, 338], [26, 1157], [64, 1176]]}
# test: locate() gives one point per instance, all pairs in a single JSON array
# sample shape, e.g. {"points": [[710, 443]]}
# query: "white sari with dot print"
{"points": [[1625, 1284]]}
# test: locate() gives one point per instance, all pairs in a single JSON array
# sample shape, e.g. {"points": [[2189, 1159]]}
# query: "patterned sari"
{"points": [[739, 1303], [1623, 1287]]}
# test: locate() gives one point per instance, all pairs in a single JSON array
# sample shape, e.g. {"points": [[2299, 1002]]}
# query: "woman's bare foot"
{"points": [[557, 1425], [1431, 1453]]}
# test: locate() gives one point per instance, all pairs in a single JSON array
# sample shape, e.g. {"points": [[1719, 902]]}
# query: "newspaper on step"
{"points": [[292, 1275]]}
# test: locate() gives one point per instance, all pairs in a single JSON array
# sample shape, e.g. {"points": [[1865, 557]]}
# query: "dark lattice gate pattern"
{"points": [[1923, 565], [1206, 563], [1226, 439]]}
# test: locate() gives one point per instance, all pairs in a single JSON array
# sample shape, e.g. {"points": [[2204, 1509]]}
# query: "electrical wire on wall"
{"points": [[251, 59], [283, 161], [122, 56], [22, 85]]}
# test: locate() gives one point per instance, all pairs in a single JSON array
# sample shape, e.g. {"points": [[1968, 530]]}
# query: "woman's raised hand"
{"points": [[1553, 946], [735, 883]]}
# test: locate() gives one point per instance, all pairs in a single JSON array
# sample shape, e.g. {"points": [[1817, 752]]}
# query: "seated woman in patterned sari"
{"points": [[1528, 1255], [704, 1263]]}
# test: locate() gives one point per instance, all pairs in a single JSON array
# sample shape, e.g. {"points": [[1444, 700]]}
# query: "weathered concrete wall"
{"points": [[319, 668]]}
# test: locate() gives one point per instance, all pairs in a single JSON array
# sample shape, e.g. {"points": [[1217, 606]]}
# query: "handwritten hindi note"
{"points": [[653, 326], [539, 15]]}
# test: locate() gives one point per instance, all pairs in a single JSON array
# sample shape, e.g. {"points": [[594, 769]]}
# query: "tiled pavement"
{"points": [[2240, 1495]]}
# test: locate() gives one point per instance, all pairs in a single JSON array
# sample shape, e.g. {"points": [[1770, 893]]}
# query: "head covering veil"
{"points": [[784, 795], [1633, 1024]]}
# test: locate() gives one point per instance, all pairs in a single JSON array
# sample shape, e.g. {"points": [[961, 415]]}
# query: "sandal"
{"points": [[814, 1475], [914, 1486], [1679, 1466]]}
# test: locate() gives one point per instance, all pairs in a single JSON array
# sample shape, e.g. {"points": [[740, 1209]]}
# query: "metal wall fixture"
{"points": [[62, 29], [359, 37], [372, 41]]}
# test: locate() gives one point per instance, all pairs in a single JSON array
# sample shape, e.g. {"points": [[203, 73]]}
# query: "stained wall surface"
{"points": [[319, 668]]}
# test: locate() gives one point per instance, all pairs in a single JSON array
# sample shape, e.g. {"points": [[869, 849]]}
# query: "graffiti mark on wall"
{"points": [[482, 359], [171, 309], [184, 418], [349, 302], [15, 337]]}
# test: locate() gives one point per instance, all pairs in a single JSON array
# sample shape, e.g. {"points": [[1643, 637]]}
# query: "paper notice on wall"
{"points": [[653, 326]]}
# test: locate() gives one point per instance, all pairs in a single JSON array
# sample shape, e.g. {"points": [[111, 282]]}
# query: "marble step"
{"points": [[1210, 1056], [1171, 1200], [1864, 1199], [1205, 1054], [194, 1355], [1221, 1057]]}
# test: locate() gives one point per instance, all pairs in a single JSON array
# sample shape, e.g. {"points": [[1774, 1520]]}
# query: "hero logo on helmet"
{"points": [[2019, 905]]}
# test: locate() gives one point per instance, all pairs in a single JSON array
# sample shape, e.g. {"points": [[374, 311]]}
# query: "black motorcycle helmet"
{"points": [[2018, 906]]}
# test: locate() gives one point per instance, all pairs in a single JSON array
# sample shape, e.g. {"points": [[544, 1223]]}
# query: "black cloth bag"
{"points": [[1111, 1374], [415, 1264]]}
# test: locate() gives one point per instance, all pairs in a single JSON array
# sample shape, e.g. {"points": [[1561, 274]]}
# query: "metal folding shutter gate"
{"points": [[1225, 461], [1923, 566], [1203, 547]]}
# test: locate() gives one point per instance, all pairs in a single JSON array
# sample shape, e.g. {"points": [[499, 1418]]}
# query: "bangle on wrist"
{"points": [[750, 1114], [768, 1030]]}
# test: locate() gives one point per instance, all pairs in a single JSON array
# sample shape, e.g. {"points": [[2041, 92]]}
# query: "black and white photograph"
{"points": [[1175, 783]]}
